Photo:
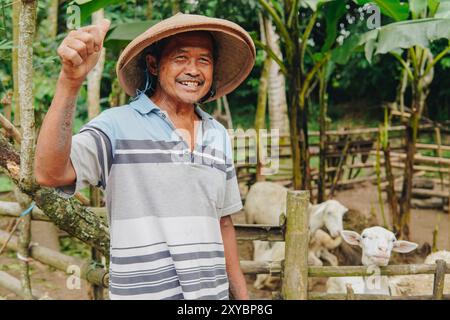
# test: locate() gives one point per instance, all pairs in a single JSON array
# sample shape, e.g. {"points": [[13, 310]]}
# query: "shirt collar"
{"points": [[143, 104]]}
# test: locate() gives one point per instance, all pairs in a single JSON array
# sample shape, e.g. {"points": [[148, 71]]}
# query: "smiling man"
{"points": [[165, 165]]}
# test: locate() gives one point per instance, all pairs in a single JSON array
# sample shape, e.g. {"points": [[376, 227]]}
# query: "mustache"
{"points": [[182, 79]]}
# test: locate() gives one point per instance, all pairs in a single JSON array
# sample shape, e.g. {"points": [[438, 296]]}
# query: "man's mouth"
{"points": [[191, 84]]}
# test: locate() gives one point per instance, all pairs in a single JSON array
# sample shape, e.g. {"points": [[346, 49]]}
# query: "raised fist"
{"points": [[80, 50]]}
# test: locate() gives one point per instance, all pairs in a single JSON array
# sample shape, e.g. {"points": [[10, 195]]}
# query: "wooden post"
{"points": [[350, 292], [439, 277], [295, 280]]}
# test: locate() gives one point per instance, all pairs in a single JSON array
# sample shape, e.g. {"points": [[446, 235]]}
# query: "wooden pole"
{"points": [[88, 271], [342, 160], [439, 277], [350, 292], [13, 284], [295, 280], [252, 267]]}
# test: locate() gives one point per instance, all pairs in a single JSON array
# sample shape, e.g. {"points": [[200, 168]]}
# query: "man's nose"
{"points": [[192, 69]]}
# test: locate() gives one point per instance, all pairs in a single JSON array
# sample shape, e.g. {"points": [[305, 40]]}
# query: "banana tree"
{"points": [[409, 40], [298, 77]]}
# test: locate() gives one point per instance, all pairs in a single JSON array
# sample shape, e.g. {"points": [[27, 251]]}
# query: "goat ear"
{"points": [[351, 237], [403, 246]]}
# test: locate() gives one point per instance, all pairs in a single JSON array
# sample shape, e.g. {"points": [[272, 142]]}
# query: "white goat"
{"points": [[266, 201], [264, 204], [319, 245], [422, 284], [377, 244]]}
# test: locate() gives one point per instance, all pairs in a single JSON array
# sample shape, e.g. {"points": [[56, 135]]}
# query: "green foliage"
{"points": [[5, 184], [395, 9], [75, 248]]}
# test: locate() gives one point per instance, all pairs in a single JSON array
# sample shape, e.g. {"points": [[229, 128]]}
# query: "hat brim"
{"points": [[235, 52]]}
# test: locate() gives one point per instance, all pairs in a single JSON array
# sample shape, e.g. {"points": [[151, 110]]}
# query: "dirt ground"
{"points": [[362, 198]]}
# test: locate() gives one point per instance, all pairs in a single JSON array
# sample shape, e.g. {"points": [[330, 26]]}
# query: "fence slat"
{"points": [[295, 272], [439, 277]]}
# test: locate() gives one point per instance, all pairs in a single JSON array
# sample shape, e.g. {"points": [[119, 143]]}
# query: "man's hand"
{"points": [[80, 51]]}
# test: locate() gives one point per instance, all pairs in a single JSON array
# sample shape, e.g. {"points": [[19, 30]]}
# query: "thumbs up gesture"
{"points": [[80, 50]]}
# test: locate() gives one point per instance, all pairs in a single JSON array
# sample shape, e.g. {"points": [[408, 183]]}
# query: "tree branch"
{"points": [[68, 214]]}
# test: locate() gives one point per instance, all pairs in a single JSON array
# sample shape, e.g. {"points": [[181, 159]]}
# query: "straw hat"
{"points": [[235, 51]]}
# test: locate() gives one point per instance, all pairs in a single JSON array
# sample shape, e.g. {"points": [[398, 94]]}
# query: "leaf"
{"points": [[403, 35], [395, 9], [417, 7], [342, 54], [443, 10], [88, 7], [333, 12], [432, 7], [313, 4], [122, 34]]}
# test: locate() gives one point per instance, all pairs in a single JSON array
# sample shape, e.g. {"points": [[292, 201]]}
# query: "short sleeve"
{"points": [[91, 157], [232, 200]]}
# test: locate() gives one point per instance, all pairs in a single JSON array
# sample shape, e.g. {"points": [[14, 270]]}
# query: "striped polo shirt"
{"points": [[164, 202]]}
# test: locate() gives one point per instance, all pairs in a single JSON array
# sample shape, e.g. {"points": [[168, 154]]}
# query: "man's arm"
{"points": [[79, 53], [236, 278]]}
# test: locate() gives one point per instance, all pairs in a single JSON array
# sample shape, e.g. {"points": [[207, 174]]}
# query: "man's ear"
{"points": [[351, 237], [404, 246], [152, 64]]}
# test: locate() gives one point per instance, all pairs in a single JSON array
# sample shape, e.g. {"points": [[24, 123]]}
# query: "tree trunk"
{"points": [[149, 9], [293, 95], [260, 118], [27, 26], [323, 101], [277, 84], [176, 6], [53, 18], [16, 5]]}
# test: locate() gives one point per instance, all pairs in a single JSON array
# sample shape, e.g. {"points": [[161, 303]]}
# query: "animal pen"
{"points": [[356, 146]]}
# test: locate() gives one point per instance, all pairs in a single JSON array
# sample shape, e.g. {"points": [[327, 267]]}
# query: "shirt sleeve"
{"points": [[91, 157], [232, 200]]}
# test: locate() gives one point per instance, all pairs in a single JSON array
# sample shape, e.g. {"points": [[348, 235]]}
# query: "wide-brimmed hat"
{"points": [[235, 51]]}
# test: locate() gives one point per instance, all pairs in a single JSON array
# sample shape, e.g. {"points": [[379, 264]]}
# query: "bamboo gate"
{"points": [[294, 271]]}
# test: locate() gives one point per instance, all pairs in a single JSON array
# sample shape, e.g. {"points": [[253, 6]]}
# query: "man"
{"points": [[166, 166]]}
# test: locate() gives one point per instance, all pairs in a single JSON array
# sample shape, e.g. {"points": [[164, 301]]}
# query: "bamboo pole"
{"points": [[295, 280], [350, 292], [88, 271], [378, 173], [258, 232], [13, 284], [10, 129], [439, 277], [252, 267], [342, 160], [343, 296]]}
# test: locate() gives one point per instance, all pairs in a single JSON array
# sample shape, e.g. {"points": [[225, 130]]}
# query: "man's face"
{"points": [[185, 71]]}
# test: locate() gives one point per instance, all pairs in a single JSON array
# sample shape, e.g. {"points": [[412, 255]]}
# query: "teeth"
{"points": [[190, 84]]}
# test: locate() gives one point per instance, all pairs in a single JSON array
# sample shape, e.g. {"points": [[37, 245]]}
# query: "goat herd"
{"points": [[265, 202]]}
